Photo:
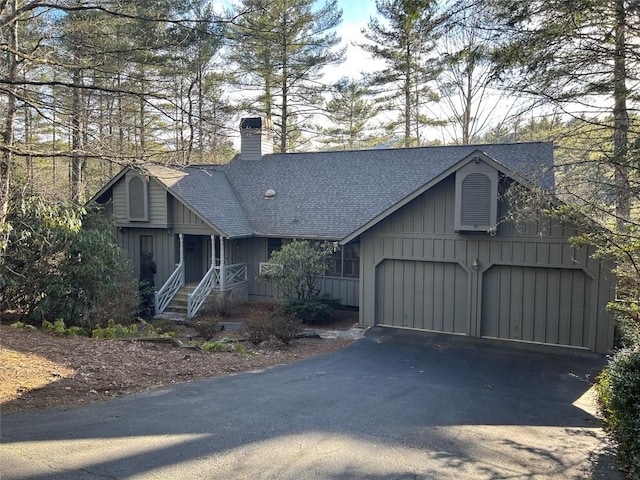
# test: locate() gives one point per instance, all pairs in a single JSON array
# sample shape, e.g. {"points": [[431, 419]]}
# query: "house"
{"points": [[422, 238]]}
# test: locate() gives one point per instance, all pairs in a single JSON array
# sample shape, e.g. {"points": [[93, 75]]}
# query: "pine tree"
{"points": [[278, 48], [349, 112], [579, 57], [405, 38]]}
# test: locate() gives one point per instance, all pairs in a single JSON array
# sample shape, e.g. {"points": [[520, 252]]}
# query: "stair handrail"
{"points": [[169, 289], [196, 298]]}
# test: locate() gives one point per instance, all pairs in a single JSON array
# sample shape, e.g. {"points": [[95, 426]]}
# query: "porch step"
{"points": [[178, 303]]}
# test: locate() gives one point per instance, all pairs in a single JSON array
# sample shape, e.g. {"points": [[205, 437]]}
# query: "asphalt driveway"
{"points": [[394, 405]]}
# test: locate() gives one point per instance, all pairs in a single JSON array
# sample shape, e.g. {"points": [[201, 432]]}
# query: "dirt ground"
{"points": [[41, 370]]}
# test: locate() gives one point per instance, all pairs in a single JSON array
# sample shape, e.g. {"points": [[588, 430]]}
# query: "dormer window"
{"points": [[476, 197], [137, 197]]}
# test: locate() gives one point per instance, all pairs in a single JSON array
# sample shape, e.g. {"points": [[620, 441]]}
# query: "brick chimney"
{"points": [[256, 138]]}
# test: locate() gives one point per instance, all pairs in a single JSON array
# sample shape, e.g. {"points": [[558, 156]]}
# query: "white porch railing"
{"points": [[169, 289], [209, 282], [234, 275], [266, 268], [217, 278]]}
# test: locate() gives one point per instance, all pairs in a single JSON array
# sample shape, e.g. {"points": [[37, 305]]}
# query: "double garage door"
{"points": [[545, 305]]}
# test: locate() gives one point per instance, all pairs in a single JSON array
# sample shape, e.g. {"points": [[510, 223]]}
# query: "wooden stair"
{"points": [[178, 304]]}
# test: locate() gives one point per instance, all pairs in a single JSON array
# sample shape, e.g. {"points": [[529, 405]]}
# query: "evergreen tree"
{"points": [[278, 48], [405, 38], [349, 112], [87, 85], [580, 57]]}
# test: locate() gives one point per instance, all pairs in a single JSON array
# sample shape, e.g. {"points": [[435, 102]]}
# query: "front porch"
{"points": [[219, 277]]}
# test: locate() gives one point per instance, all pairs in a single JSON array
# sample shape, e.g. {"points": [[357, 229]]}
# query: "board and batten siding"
{"points": [[163, 250], [417, 272], [157, 204], [253, 251], [184, 220]]}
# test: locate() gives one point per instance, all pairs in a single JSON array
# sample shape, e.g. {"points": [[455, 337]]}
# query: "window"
{"points": [[137, 199], [345, 262], [273, 245], [351, 260]]}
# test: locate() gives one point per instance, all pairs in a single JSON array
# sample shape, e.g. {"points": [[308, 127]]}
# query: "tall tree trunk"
{"points": [[468, 102], [621, 120], [407, 107], [200, 112], [76, 138], [285, 105], [7, 133]]}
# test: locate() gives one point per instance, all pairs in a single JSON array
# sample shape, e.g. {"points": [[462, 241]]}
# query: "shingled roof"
{"points": [[330, 194]]}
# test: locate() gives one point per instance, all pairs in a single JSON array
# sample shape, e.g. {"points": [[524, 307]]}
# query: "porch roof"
{"points": [[206, 190]]}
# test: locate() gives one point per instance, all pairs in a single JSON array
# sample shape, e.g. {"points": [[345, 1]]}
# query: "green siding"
{"points": [[253, 251], [529, 284], [157, 204], [163, 250]]}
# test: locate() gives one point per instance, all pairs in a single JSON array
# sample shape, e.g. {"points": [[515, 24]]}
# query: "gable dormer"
{"points": [[137, 197], [476, 206]]}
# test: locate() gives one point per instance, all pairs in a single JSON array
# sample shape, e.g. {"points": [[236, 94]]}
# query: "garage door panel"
{"points": [[542, 305], [422, 295]]}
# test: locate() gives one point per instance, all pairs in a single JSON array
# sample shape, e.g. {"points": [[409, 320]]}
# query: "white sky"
{"points": [[355, 16]]}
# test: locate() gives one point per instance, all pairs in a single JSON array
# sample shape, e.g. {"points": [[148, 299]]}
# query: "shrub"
{"points": [[258, 329], [60, 328], [284, 326], [115, 330], [309, 310], [618, 390], [25, 326], [297, 268], [207, 327], [164, 327], [63, 262], [277, 324]]}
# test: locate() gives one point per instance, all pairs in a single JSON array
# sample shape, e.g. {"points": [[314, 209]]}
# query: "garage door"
{"points": [[536, 304], [423, 295]]}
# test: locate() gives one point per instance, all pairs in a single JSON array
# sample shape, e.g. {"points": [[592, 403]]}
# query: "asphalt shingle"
{"points": [[331, 194]]}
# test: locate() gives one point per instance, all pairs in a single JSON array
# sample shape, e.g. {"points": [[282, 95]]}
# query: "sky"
{"points": [[355, 16]]}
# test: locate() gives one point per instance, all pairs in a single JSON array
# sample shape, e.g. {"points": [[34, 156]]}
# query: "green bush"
{"points": [[63, 262], [115, 330], [311, 311], [297, 268], [25, 326], [618, 390], [60, 328], [224, 345]]}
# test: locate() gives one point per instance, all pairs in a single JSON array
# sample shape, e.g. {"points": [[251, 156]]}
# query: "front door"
{"points": [[194, 255], [146, 248]]}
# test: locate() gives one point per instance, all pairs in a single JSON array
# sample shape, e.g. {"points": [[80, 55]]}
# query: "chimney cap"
{"points": [[255, 122]]}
